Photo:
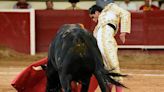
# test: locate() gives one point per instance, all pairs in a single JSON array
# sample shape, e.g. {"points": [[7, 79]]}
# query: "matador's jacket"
{"points": [[107, 27]]}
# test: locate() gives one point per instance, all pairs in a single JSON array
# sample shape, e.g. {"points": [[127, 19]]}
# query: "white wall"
{"points": [[60, 5]]}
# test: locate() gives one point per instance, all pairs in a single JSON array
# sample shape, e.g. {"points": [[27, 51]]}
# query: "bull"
{"points": [[74, 56]]}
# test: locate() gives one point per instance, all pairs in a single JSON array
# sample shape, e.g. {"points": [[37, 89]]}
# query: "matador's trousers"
{"points": [[108, 48]]}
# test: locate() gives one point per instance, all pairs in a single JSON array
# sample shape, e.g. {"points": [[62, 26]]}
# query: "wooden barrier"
{"points": [[147, 28]]}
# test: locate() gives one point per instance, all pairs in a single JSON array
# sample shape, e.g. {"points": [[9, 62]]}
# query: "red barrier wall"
{"points": [[15, 30], [48, 23], [147, 28], [137, 30], [154, 28]]}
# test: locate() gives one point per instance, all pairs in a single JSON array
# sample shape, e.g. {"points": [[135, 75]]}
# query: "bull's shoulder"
{"points": [[91, 38]]}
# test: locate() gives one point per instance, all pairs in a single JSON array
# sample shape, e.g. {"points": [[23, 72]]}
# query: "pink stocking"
{"points": [[110, 86], [119, 89]]}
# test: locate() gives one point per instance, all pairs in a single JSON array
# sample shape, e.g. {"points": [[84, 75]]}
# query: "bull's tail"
{"points": [[105, 77], [108, 77]]}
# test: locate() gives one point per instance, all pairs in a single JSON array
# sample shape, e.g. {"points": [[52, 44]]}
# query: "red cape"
{"points": [[30, 80]]}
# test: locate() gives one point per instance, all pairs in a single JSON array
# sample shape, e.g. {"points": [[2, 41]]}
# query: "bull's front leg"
{"points": [[66, 82], [53, 82], [85, 84]]}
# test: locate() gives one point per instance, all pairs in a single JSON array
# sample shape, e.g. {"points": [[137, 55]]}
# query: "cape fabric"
{"points": [[30, 80]]}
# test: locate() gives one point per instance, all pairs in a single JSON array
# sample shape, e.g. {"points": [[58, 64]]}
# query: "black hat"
{"points": [[73, 1]]}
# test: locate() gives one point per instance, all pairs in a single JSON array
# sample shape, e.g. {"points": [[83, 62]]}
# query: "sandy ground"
{"points": [[146, 71], [138, 80]]}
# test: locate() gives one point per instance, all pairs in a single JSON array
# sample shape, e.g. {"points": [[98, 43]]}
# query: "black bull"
{"points": [[74, 56]]}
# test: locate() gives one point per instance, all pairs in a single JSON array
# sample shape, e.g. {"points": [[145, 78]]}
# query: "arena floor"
{"points": [[145, 70]]}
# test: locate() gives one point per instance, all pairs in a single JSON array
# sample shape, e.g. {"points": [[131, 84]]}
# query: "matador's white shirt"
{"points": [[115, 15]]}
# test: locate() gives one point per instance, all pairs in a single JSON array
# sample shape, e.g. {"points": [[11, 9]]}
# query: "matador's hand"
{"points": [[122, 37]]}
